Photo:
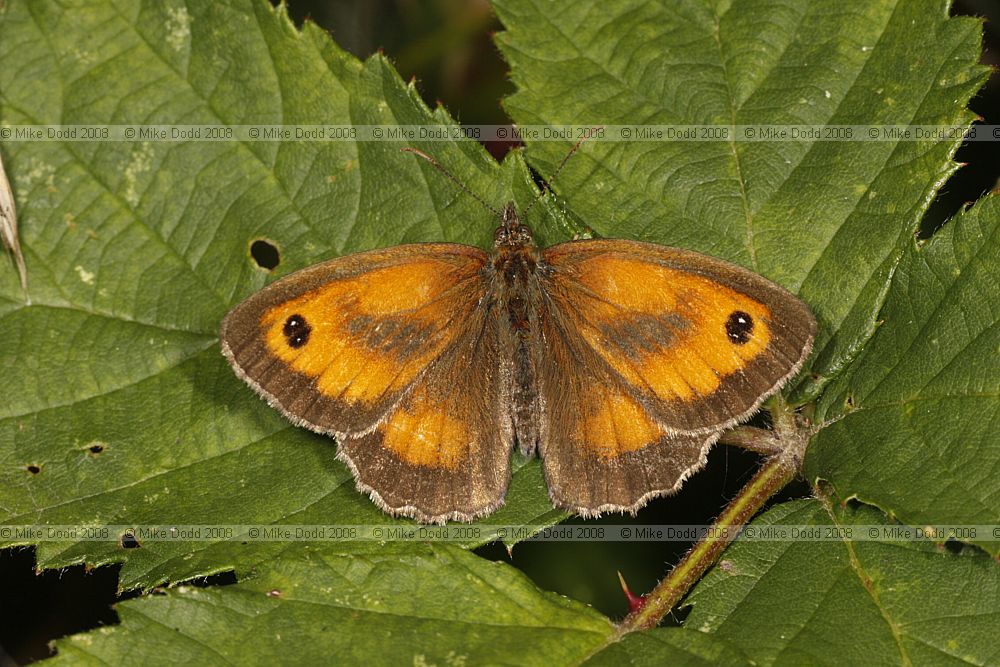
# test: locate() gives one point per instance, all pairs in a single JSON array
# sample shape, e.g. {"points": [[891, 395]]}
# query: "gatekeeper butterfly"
{"points": [[619, 362]]}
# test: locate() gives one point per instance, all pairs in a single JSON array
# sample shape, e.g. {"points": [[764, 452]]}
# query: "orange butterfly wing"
{"points": [[698, 341], [375, 349], [646, 353]]}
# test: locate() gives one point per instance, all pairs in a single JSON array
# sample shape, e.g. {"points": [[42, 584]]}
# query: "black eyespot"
{"points": [[296, 331], [739, 326]]}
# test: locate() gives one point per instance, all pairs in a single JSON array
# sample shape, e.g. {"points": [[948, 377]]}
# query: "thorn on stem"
{"points": [[635, 602]]}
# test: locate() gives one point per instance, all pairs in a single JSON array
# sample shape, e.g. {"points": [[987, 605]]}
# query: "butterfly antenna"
{"points": [[548, 183], [440, 167]]}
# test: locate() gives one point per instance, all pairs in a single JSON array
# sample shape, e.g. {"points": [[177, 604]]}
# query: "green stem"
{"points": [[777, 471]]}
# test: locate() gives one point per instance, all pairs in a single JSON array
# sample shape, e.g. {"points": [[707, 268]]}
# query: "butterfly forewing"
{"points": [[697, 341], [337, 345]]}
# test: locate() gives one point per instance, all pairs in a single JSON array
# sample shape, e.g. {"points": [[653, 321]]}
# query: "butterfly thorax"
{"points": [[515, 261], [515, 257]]}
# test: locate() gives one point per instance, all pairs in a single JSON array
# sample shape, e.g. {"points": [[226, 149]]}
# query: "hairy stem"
{"points": [[786, 445]]}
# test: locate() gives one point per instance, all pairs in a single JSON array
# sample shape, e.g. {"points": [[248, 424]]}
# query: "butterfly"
{"points": [[619, 362]]}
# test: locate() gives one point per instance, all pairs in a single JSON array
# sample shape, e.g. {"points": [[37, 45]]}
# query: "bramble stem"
{"points": [[786, 445]]}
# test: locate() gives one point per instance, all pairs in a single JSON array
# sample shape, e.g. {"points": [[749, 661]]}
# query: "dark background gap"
{"points": [[447, 45]]}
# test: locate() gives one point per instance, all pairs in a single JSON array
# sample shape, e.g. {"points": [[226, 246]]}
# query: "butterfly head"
{"points": [[511, 233]]}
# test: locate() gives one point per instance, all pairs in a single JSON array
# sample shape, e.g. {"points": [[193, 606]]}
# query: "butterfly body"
{"points": [[518, 263], [619, 362]]}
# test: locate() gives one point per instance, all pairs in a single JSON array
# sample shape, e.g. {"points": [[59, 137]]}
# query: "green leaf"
{"points": [[435, 605], [915, 422], [827, 219], [834, 602], [669, 646], [136, 250]]}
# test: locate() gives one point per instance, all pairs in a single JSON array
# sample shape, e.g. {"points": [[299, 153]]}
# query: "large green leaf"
{"points": [[435, 605], [118, 407], [831, 602], [828, 219], [868, 602], [914, 423]]}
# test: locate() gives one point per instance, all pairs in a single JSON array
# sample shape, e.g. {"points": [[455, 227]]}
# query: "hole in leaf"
{"points": [[265, 254], [33, 469], [95, 448], [954, 546], [128, 541]]}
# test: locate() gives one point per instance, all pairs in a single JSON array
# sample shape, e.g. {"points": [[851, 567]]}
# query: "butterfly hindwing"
{"points": [[444, 451], [601, 449]]}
